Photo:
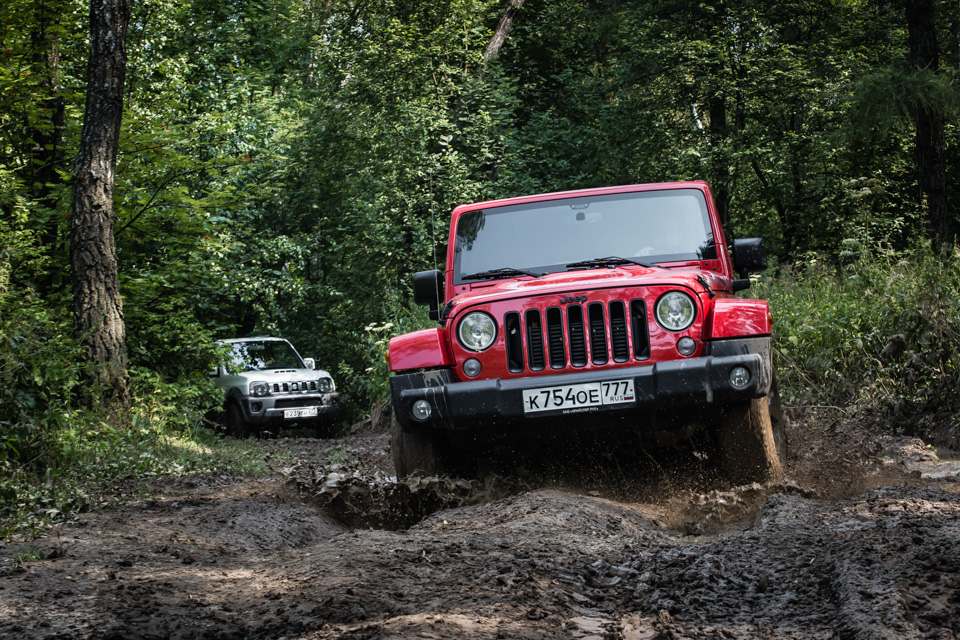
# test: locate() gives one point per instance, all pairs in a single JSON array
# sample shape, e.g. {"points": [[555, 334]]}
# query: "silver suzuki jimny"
{"points": [[268, 385]]}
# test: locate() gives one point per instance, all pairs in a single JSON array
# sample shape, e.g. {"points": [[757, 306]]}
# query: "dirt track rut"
{"points": [[324, 550]]}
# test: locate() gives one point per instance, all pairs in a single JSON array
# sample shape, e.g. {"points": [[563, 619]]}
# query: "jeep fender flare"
{"points": [[426, 349], [738, 318]]}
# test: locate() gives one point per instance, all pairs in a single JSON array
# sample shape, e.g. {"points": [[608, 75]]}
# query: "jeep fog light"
{"points": [[472, 368], [421, 410], [675, 311], [259, 389], [477, 331], [686, 346], [740, 377]]}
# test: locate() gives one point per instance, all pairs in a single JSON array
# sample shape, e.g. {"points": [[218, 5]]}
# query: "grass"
{"points": [[99, 461], [875, 336]]}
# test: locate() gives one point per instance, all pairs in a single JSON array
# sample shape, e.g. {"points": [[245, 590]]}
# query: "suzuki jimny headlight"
{"points": [[259, 389], [477, 331]]}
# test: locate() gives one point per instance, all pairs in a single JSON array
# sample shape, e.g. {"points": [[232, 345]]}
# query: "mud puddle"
{"points": [[858, 542]]}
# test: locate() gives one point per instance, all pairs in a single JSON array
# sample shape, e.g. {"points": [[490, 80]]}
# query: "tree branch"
{"points": [[502, 31]]}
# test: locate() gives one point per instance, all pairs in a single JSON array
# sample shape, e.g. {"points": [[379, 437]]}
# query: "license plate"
{"points": [[292, 414], [574, 398]]}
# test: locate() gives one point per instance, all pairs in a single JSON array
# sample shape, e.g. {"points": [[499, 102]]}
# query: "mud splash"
{"points": [[384, 502]]}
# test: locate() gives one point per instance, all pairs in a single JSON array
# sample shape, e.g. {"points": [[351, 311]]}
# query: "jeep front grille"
{"points": [[598, 333], [535, 341], [618, 332], [568, 332], [511, 328], [578, 341], [558, 358]]}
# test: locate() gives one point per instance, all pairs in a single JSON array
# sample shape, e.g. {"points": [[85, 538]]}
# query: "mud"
{"points": [[860, 541]]}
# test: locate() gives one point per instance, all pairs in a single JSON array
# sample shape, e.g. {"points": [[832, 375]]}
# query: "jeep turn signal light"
{"points": [[386, 356]]}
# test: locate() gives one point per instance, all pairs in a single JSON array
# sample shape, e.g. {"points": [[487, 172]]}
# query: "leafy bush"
{"points": [[179, 407], [371, 384], [38, 376], [876, 335], [57, 461]]}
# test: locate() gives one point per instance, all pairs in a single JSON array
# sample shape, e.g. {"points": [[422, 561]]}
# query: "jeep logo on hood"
{"points": [[566, 299]]}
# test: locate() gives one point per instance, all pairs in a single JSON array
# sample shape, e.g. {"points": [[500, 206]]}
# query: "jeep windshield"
{"points": [[263, 354], [557, 235]]}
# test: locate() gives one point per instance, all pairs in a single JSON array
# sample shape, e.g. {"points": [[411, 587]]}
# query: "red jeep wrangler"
{"points": [[588, 309]]}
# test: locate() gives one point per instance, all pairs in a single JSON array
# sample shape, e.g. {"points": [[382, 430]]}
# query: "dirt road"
{"points": [[862, 541]]}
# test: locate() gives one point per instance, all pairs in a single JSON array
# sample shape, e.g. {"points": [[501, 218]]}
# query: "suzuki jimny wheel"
{"points": [[236, 425]]}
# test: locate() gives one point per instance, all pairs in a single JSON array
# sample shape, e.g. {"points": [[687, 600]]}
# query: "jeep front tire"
{"points": [[747, 446], [416, 450]]}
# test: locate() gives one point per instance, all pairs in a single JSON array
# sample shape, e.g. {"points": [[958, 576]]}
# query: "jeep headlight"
{"points": [[675, 311], [477, 331], [258, 389], [325, 385]]}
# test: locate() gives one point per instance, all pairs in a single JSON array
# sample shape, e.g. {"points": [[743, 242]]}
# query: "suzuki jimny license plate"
{"points": [[291, 414], [574, 398]]}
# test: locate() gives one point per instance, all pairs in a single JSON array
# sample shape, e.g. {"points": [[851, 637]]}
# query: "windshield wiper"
{"points": [[500, 273], [610, 261]]}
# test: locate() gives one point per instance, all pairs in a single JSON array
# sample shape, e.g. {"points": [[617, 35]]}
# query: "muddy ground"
{"points": [[861, 541]]}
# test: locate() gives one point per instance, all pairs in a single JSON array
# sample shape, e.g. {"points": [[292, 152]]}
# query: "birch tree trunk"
{"points": [[97, 307], [502, 31]]}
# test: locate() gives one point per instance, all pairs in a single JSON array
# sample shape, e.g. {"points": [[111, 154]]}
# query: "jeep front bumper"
{"points": [[688, 382], [271, 408]]}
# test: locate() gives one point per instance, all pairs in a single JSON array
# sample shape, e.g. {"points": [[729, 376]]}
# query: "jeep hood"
{"points": [[585, 281]]}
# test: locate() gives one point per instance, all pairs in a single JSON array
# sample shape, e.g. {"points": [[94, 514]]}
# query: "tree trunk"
{"points": [[49, 138], [929, 120], [720, 178], [502, 31], [489, 52], [97, 307]]}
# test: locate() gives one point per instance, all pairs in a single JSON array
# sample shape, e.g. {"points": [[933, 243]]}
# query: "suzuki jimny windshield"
{"points": [[266, 354]]}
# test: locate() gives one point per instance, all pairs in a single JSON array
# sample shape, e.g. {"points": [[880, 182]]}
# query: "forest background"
{"points": [[284, 166]]}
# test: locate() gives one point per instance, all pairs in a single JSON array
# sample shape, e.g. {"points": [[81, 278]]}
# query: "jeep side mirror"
{"points": [[427, 286], [310, 363], [749, 255]]}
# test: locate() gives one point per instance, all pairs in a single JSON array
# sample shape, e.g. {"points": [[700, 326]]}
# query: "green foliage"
{"points": [[877, 335], [39, 373], [286, 166], [370, 384], [889, 97], [178, 407], [95, 460]]}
